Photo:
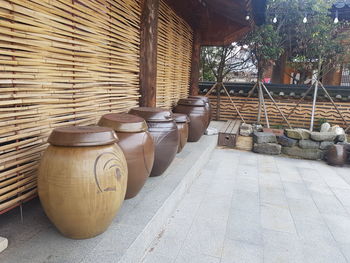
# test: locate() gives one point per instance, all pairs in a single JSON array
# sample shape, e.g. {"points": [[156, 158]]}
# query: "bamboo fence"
{"points": [[174, 56], [62, 62], [300, 118]]}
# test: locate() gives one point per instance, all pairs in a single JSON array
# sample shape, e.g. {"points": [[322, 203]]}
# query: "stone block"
{"points": [[286, 141], [325, 145], [323, 136], [277, 132], [3, 244], [298, 134], [246, 129], [310, 154], [264, 137], [341, 138], [267, 148], [244, 143], [309, 144], [325, 127]]}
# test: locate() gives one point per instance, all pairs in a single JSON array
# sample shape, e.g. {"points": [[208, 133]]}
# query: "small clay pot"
{"points": [[198, 114], [82, 180], [137, 145], [182, 125], [165, 135], [207, 105], [337, 155]]}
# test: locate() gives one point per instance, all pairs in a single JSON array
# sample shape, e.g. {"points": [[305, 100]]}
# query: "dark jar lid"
{"points": [[181, 118], [151, 114], [75, 136], [123, 122], [203, 98], [191, 102]]}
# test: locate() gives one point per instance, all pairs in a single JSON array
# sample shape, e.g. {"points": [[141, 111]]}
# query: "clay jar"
{"points": [[182, 125], [82, 180], [137, 145], [337, 155], [207, 105], [198, 114], [165, 135]]}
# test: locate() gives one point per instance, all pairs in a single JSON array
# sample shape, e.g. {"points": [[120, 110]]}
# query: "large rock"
{"points": [[267, 148], [298, 134], [246, 129], [323, 136], [325, 127], [257, 127], [264, 137], [337, 130], [3, 244], [309, 144], [286, 141], [325, 145], [311, 154]]}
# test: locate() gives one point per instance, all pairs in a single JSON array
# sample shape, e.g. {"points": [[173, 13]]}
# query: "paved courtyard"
{"points": [[246, 207]]}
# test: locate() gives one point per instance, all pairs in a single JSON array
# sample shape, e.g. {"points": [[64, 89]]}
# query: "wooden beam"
{"points": [[148, 52], [195, 65]]}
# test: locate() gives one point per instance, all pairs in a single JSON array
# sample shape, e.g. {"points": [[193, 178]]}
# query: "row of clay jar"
{"points": [[87, 171]]}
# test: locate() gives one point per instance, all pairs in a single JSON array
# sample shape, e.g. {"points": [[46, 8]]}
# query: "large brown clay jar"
{"points": [[165, 136], [337, 155], [182, 125], [137, 145], [207, 105], [198, 115], [82, 180]]}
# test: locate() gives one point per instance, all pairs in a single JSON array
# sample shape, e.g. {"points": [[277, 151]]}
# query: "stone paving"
{"points": [[246, 207]]}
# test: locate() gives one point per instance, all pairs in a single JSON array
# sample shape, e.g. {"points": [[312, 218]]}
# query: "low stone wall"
{"points": [[299, 143]]}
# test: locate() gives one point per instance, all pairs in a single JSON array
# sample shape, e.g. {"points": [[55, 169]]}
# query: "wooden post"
{"points": [[195, 64], [148, 52], [218, 101]]}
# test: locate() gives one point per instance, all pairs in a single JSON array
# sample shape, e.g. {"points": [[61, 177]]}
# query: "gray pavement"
{"points": [[246, 207]]}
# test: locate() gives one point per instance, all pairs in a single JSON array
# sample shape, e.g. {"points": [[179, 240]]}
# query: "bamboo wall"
{"points": [[300, 118], [62, 62], [174, 55]]}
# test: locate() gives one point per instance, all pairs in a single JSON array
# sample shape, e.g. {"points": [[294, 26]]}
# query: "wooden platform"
{"points": [[228, 133]]}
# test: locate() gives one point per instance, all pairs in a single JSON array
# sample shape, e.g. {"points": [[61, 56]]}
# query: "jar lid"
{"points": [[204, 98], [151, 114], [181, 118], [191, 102], [82, 136], [123, 122]]}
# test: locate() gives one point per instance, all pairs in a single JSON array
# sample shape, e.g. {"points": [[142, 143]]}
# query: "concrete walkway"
{"points": [[246, 207]]}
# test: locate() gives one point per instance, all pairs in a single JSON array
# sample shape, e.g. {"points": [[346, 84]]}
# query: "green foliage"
{"points": [[311, 45], [265, 46]]}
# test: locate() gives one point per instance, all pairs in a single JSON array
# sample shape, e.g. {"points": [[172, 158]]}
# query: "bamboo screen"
{"points": [[173, 58], [62, 62]]}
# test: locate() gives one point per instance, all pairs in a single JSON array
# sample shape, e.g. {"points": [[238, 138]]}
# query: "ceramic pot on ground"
{"points": [[137, 145], [198, 114], [182, 121], [82, 180], [207, 105], [337, 155], [165, 136]]}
